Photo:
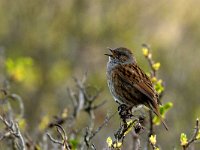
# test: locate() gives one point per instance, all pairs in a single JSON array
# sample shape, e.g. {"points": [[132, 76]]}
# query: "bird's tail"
{"points": [[157, 112]]}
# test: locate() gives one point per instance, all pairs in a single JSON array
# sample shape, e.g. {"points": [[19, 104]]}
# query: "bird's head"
{"points": [[121, 55]]}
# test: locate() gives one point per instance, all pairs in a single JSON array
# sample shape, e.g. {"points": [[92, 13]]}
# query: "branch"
{"points": [[54, 140], [107, 119], [91, 134], [194, 137], [151, 129], [21, 104], [14, 132], [149, 59], [136, 141], [196, 130], [64, 140]]}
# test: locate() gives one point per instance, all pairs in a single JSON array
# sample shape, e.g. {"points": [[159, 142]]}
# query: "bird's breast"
{"points": [[111, 84]]}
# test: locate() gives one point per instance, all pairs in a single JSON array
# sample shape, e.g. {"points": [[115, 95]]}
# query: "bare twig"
{"points": [[30, 143], [151, 129], [14, 132], [196, 130], [125, 127], [59, 119], [21, 104], [83, 100], [54, 140], [136, 140], [107, 119], [194, 137], [99, 105], [62, 133], [7, 96], [89, 134], [153, 146]]}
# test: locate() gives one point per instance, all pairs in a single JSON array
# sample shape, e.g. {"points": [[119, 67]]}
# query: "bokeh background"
{"points": [[57, 40]]}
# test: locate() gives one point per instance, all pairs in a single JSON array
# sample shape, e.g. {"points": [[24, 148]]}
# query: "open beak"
{"points": [[111, 50]]}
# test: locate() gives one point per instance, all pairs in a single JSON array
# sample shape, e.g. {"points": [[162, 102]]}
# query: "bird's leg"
{"points": [[125, 112], [137, 107]]}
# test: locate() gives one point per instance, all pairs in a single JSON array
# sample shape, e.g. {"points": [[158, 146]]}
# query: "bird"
{"points": [[128, 83]]}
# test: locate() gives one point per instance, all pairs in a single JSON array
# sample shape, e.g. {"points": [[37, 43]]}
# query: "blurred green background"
{"points": [[57, 40]]}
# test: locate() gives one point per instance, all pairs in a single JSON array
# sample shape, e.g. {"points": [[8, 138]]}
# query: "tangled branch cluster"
{"points": [[83, 99]]}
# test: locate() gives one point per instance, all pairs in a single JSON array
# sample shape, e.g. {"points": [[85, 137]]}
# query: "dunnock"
{"points": [[129, 84]]}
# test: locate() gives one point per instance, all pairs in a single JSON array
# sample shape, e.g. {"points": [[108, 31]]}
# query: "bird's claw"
{"points": [[125, 112]]}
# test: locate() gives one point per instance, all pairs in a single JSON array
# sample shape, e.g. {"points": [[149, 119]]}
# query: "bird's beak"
{"points": [[111, 50]]}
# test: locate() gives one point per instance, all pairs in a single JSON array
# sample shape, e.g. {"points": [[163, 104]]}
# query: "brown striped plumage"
{"points": [[128, 83]]}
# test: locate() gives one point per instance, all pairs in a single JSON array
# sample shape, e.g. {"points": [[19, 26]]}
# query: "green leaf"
{"points": [[156, 66], [198, 136], [163, 110], [183, 139], [145, 51], [159, 87], [74, 143], [20, 68], [152, 139], [109, 141], [117, 145]]}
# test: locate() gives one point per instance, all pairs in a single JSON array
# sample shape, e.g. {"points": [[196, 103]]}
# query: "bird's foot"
{"points": [[125, 112]]}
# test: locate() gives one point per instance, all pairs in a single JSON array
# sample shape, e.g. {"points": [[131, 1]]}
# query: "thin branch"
{"points": [[21, 104], [196, 130], [13, 129], [62, 133], [153, 146], [99, 105], [54, 140], [150, 61], [89, 134], [151, 129], [136, 141], [107, 119], [194, 137]]}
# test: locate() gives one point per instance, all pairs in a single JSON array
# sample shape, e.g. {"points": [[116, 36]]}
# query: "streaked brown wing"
{"points": [[125, 91], [135, 77], [134, 80]]}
